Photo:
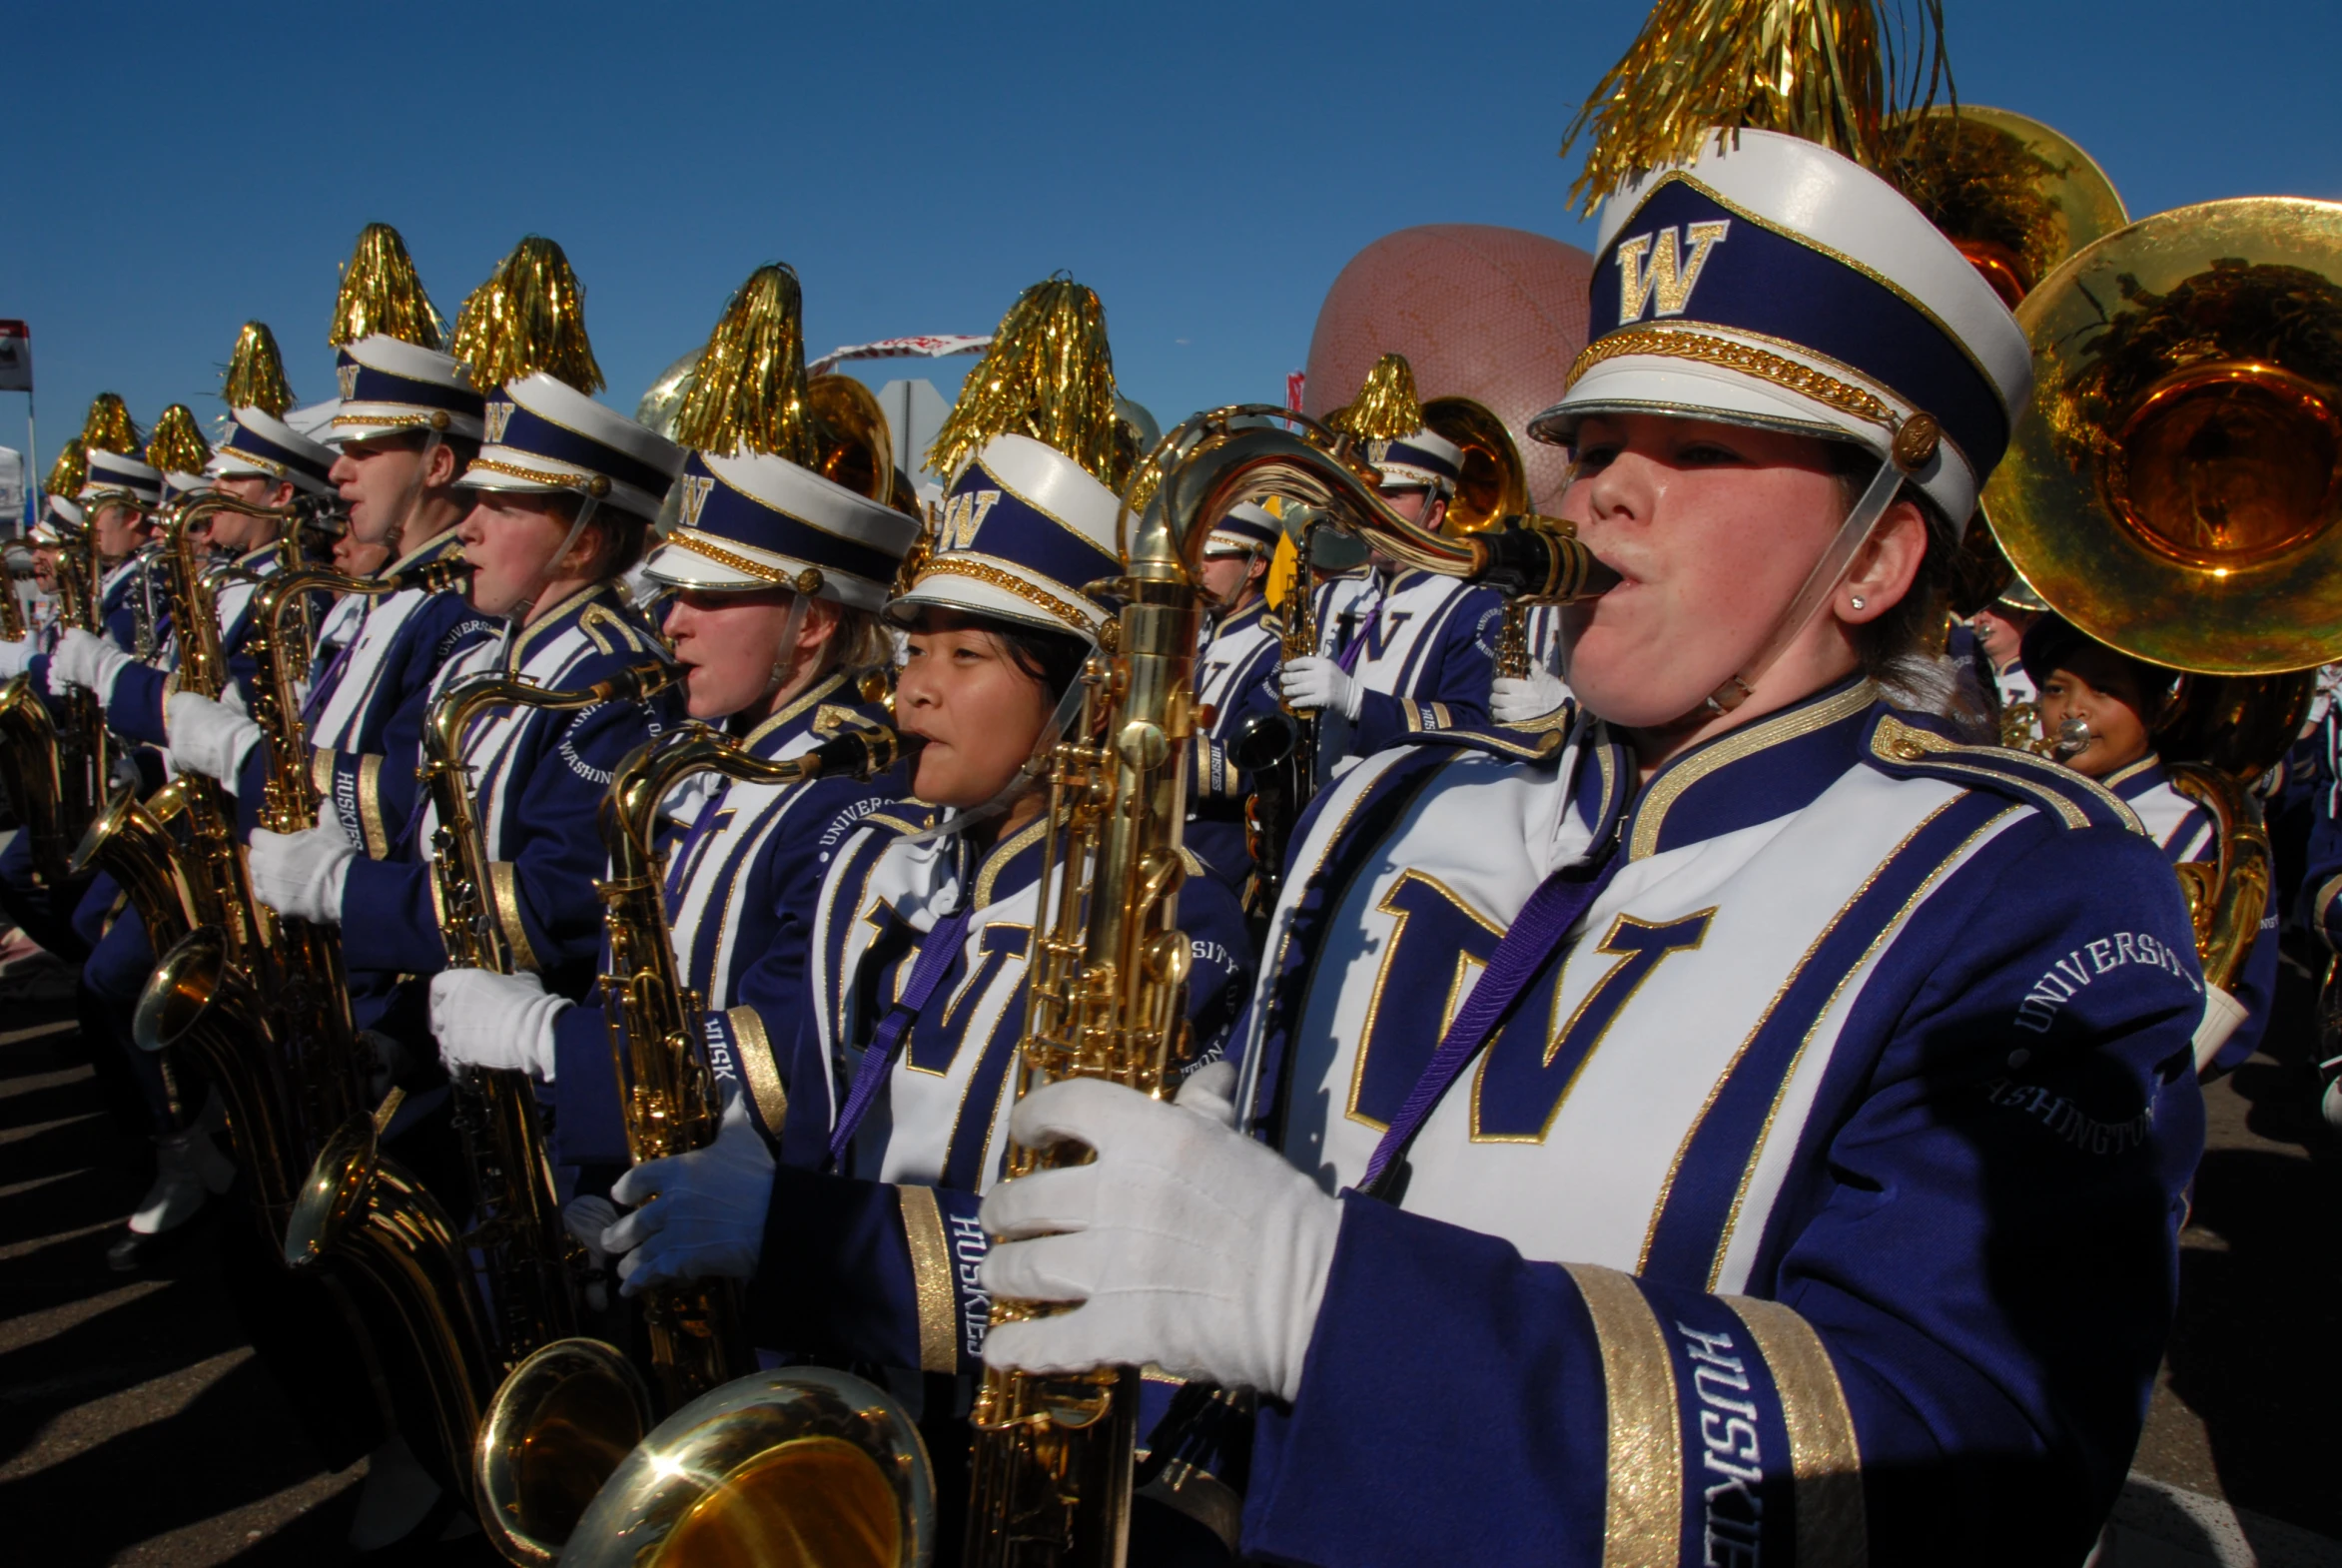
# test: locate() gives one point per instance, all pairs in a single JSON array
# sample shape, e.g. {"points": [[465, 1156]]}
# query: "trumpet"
{"points": [[1051, 1473], [564, 1418]]}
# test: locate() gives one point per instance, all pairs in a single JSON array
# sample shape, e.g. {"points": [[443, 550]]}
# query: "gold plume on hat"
{"points": [[108, 427], [1049, 374], [256, 372], [70, 471], [529, 316], [382, 294], [1386, 405], [176, 445], [1836, 72], [747, 390]]}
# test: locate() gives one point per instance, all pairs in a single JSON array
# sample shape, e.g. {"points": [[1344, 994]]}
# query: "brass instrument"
{"points": [[12, 622], [81, 771], [2175, 488], [568, 1413], [531, 1259], [1051, 1473]]}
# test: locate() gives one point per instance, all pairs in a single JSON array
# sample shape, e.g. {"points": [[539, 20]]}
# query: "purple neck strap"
{"points": [[935, 957], [1560, 901]]}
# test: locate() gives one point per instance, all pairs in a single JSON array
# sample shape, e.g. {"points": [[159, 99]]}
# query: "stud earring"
{"points": [[1858, 601]]}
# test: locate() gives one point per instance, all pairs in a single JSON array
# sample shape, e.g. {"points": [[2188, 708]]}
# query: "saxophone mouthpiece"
{"points": [[1540, 559]]}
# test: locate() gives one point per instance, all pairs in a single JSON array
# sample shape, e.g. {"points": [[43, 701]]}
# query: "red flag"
{"points": [[16, 357], [1292, 389]]}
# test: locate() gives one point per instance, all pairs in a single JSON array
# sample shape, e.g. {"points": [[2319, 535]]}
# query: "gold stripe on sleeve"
{"points": [[504, 898], [1831, 1528], [931, 1275], [321, 773], [1643, 1518], [758, 1070], [370, 806]]}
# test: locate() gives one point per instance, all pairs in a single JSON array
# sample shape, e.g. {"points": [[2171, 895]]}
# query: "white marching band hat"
{"points": [[1771, 281], [755, 521], [114, 471], [390, 385], [1425, 461], [259, 444], [1247, 529], [545, 438], [1025, 531]]}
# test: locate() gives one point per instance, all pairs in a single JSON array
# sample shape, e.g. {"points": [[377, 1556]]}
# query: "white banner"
{"points": [[935, 346]]}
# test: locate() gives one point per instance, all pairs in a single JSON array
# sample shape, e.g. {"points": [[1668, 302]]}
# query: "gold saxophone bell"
{"points": [[801, 1467]]}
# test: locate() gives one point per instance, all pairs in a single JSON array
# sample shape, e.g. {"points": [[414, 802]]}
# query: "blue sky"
{"points": [[1207, 168]]}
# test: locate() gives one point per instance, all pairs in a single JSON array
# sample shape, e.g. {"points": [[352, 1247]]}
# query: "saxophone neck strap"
{"points": [[927, 973]]}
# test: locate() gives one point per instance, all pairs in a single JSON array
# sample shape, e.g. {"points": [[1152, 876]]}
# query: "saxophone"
{"points": [[536, 1454], [1051, 1473], [54, 751], [531, 1258], [177, 887]]}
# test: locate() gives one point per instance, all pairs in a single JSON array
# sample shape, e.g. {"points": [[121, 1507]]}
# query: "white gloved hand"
{"points": [[702, 1214], [483, 1019], [1211, 1090], [16, 658], [207, 737], [1315, 681], [89, 661], [1514, 701], [302, 874], [1188, 1245], [2223, 1016]]}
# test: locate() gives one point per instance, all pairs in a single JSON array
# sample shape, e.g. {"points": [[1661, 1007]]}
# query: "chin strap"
{"points": [[1916, 441], [1033, 769], [589, 499]]}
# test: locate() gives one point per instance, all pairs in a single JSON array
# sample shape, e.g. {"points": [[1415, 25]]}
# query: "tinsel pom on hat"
{"points": [[70, 471], [1836, 72], [381, 294], [1387, 406], [108, 427], [747, 392], [529, 316], [176, 445], [1049, 374], [256, 372]]}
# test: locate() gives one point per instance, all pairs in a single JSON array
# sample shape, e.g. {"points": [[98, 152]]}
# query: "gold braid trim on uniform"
{"points": [[1643, 1516], [714, 548], [321, 772], [1064, 609], [1831, 1529], [370, 806], [931, 1274], [1783, 371], [504, 897], [757, 1068]]}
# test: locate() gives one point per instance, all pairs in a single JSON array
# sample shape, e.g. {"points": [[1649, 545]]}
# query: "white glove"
{"points": [[207, 738], [1211, 1090], [1190, 1245], [1514, 701], [1315, 681], [16, 658], [702, 1214], [483, 1019], [85, 660], [301, 874]]}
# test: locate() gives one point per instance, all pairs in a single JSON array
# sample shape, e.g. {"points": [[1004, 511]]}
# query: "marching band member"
{"points": [[1759, 1115], [861, 1242], [1422, 650], [564, 498], [778, 576], [1236, 679], [407, 425], [2122, 700], [2000, 629]]}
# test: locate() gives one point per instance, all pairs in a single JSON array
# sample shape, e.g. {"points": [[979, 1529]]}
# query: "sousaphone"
{"points": [[2018, 198], [2174, 489]]}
